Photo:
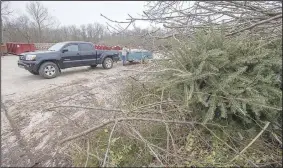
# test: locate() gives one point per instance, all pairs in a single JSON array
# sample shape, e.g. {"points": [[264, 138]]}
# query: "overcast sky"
{"points": [[84, 12]]}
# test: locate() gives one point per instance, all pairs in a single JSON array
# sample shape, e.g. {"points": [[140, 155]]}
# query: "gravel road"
{"points": [[30, 132]]}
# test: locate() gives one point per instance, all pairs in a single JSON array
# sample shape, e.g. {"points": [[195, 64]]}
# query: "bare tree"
{"points": [[95, 32], [19, 30], [182, 18], [40, 17], [83, 32], [22, 25], [6, 11], [8, 32]]}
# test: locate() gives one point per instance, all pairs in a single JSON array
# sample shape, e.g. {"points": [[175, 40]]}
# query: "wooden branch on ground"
{"points": [[108, 146], [154, 71], [90, 108], [87, 153], [148, 145], [146, 141], [124, 119], [228, 145], [132, 119], [258, 135]]}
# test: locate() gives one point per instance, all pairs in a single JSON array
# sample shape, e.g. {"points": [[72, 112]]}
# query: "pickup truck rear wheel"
{"points": [[107, 63], [49, 70]]}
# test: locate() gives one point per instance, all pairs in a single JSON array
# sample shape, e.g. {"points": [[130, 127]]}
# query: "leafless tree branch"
{"points": [[256, 24], [185, 17]]}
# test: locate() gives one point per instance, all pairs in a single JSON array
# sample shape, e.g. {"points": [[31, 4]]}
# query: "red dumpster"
{"points": [[26, 48], [9, 47], [3, 49], [18, 48], [13, 48]]}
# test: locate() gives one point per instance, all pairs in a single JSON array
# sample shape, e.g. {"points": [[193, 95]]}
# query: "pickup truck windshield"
{"points": [[56, 47]]}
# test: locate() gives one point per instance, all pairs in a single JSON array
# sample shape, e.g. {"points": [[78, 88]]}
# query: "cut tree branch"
{"points": [[256, 24], [130, 119]]}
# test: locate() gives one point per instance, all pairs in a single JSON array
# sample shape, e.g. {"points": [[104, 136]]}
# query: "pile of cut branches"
{"points": [[217, 101]]}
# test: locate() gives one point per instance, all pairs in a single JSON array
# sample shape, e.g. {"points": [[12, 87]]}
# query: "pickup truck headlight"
{"points": [[30, 57]]}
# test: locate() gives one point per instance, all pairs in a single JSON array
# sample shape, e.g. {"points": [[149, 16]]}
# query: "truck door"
{"points": [[99, 56], [71, 57], [88, 54]]}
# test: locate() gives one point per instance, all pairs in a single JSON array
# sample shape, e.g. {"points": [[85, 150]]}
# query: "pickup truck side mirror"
{"points": [[64, 50]]}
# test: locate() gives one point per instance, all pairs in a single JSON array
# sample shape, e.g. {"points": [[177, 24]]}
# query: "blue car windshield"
{"points": [[56, 47]]}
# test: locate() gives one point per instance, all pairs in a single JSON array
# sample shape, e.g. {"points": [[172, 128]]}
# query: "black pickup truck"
{"points": [[48, 64]]}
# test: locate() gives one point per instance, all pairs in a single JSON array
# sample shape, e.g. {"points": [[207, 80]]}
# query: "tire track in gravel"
{"points": [[21, 142], [41, 130]]}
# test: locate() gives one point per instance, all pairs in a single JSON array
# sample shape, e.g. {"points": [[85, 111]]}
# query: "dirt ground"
{"points": [[30, 132]]}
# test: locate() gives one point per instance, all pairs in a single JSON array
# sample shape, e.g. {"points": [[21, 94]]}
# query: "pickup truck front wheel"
{"points": [[107, 63], [49, 70]]}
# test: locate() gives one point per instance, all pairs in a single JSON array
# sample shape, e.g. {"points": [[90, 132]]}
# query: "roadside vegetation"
{"points": [[217, 102]]}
